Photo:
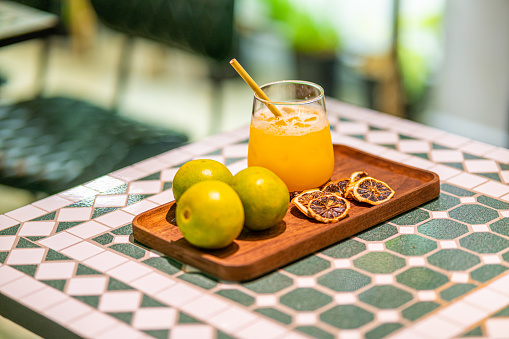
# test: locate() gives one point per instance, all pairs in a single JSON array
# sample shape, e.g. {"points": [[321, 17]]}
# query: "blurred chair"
{"points": [[203, 27], [52, 144]]}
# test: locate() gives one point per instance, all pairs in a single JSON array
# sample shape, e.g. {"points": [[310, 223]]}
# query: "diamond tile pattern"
{"points": [[400, 278]]}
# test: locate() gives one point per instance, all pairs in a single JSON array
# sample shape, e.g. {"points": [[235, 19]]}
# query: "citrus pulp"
{"points": [[210, 214]]}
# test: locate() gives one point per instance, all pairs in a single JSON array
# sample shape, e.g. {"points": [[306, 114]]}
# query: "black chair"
{"points": [[202, 27], [49, 145]]}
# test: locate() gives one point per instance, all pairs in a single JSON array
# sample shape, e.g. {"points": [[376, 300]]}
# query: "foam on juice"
{"points": [[295, 120]]}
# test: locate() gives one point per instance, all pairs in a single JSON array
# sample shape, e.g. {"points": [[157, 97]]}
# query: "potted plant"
{"points": [[315, 41]]}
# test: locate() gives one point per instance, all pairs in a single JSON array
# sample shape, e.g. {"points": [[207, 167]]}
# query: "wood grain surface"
{"points": [[256, 253]]}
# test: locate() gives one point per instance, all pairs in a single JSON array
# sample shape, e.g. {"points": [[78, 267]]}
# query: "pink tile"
{"points": [[6, 222], [174, 157], [262, 328], [7, 242], [55, 270], [26, 213], [151, 165], [129, 174], [121, 331], [155, 318], [35, 228], [52, 203], [8, 274], [117, 200], [140, 207], [495, 189], [93, 324], [26, 256], [120, 301], [104, 183], [82, 251], [129, 271], [232, 318], [78, 193], [22, 287], [152, 283], [88, 229], [115, 219], [162, 198], [44, 298], [193, 331], [75, 214], [68, 310], [83, 285], [105, 261], [60, 241], [467, 180]]}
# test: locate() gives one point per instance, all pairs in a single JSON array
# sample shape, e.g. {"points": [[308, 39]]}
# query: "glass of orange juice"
{"points": [[297, 145]]}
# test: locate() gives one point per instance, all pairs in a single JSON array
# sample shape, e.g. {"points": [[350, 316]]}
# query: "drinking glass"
{"points": [[297, 145]]}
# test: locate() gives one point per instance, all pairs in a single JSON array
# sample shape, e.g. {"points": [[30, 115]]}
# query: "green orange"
{"points": [[210, 214], [198, 170], [264, 196]]}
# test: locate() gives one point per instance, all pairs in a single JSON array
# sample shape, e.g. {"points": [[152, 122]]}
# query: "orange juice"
{"points": [[297, 146]]}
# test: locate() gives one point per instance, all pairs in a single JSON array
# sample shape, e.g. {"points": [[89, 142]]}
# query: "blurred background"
{"points": [[164, 65], [442, 63]]}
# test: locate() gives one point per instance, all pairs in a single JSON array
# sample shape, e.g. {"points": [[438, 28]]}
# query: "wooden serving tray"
{"points": [[255, 253]]}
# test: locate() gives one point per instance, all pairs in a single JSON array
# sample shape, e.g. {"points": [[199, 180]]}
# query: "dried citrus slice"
{"points": [[302, 200], [354, 177], [337, 186], [329, 208], [372, 191]]}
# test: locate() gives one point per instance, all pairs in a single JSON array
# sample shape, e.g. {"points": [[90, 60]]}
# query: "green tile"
{"points": [[458, 165], [315, 332], [24, 243], [345, 249], [442, 203], [385, 296], [92, 300], [199, 279], [389, 146], [164, 264], [124, 230], [184, 318], [492, 176], [411, 217], [487, 272], [134, 198], [271, 283], [473, 214], [3, 256], [116, 285], [411, 244], [457, 191], [238, 296], [501, 226], [484, 242], [379, 262], [505, 256], [468, 156], [344, 280], [421, 278], [158, 334], [117, 190], [308, 266], [49, 216], [502, 313], [167, 186], [222, 335], [443, 229], [421, 155], [89, 202], [305, 299], [436, 146], [35, 238], [419, 309], [453, 260], [85, 270], [104, 239], [275, 314], [58, 284], [155, 176], [347, 316], [382, 330], [379, 232], [98, 211], [147, 301], [456, 291], [27, 269], [129, 249], [54, 255], [10, 231], [475, 332], [64, 225], [123, 316], [229, 161], [494, 203]]}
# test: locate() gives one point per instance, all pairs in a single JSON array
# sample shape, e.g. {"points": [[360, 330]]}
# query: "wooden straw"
{"points": [[242, 72]]}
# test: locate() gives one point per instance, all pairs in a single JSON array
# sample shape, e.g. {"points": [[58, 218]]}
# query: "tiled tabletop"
{"points": [[437, 271]]}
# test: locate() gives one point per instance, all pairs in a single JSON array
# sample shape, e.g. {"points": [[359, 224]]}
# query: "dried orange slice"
{"points": [[337, 186], [372, 191], [354, 177], [302, 200], [329, 208]]}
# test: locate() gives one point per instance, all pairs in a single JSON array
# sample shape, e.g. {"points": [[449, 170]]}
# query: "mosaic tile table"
{"points": [[69, 265]]}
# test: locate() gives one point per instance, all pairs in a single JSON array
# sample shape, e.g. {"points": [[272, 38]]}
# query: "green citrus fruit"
{"points": [[264, 196], [210, 214], [198, 170]]}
